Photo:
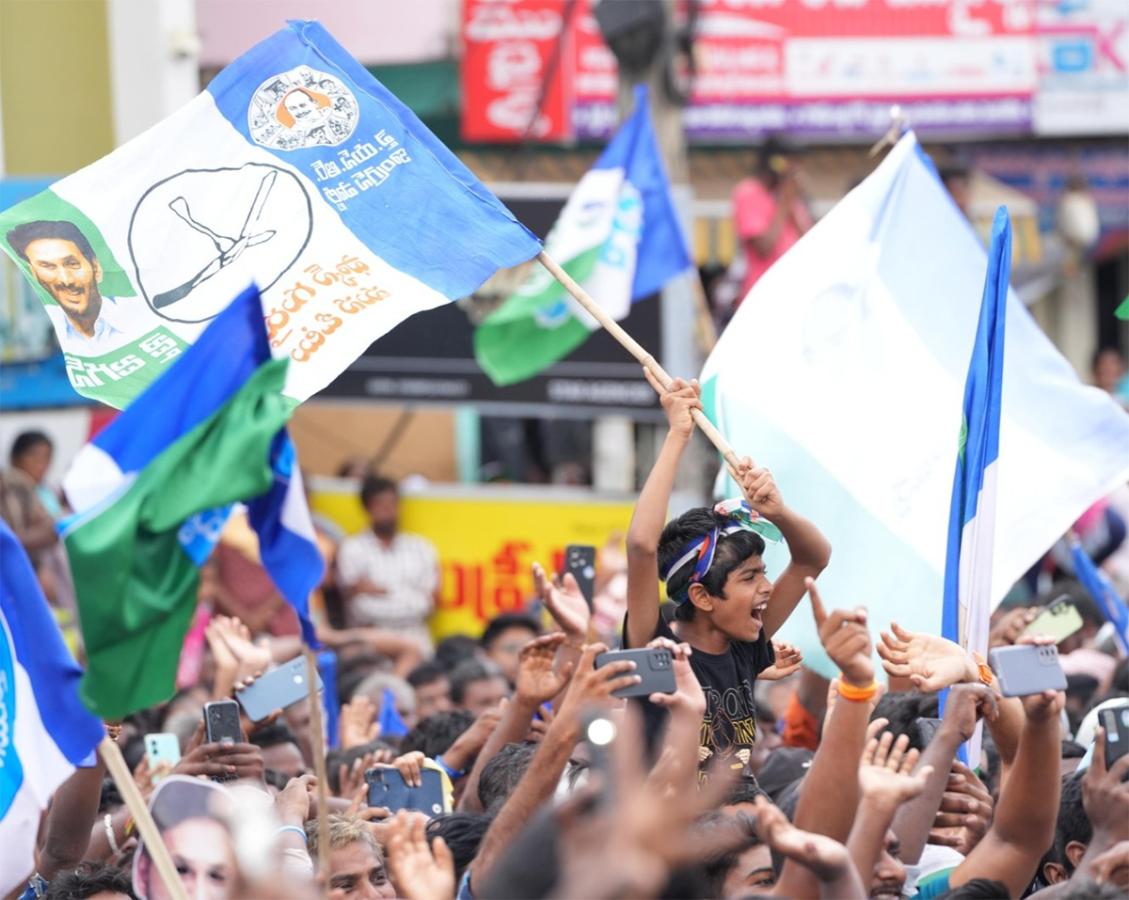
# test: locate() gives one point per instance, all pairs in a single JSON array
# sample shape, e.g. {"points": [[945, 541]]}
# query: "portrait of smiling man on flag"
{"points": [[65, 265]]}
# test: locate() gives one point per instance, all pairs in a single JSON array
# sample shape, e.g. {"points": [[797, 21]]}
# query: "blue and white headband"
{"points": [[742, 517]]}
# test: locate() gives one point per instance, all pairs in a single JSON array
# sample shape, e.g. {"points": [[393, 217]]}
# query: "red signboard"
{"points": [[515, 57], [810, 67]]}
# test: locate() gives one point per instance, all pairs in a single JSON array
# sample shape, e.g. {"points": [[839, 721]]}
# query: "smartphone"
{"points": [[276, 689], [1027, 669], [926, 728], [1116, 724], [1059, 620], [386, 787], [580, 560], [161, 748], [654, 665], [221, 722]]}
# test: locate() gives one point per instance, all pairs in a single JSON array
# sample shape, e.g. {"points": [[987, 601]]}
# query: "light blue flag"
{"points": [[45, 731], [844, 372], [618, 237], [1100, 588]]}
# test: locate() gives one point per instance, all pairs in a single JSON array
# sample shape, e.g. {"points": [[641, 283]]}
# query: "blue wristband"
{"points": [[297, 829], [453, 774]]}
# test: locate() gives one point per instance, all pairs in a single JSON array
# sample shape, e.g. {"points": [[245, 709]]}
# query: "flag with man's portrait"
{"points": [[295, 170]]}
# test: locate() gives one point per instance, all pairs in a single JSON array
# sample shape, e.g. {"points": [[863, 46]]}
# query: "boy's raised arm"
{"points": [[650, 511]]}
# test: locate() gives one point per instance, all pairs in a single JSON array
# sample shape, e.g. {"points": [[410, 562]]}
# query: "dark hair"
{"points": [[1072, 749], [435, 734], [374, 485], [272, 735], [502, 773], [507, 620], [88, 879], [716, 866], [426, 673], [902, 709], [979, 889], [742, 792], [25, 442], [22, 235], [455, 649], [732, 550], [469, 671], [463, 834], [352, 671], [1071, 825]]}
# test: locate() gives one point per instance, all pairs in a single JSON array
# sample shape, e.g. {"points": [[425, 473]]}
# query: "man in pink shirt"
{"points": [[769, 213]]}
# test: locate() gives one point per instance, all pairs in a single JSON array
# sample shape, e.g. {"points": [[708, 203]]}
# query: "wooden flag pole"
{"points": [[142, 819], [633, 347], [317, 744]]}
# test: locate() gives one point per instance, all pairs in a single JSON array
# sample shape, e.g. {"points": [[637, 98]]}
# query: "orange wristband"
{"points": [[857, 694], [987, 676]]}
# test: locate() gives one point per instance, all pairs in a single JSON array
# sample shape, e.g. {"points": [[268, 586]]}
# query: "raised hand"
{"points": [[537, 681], [593, 687], [357, 723], [419, 871], [845, 638], [760, 490], [225, 761], [565, 602], [965, 813], [236, 637], [677, 402], [824, 856], [966, 705], [1010, 626], [351, 778], [294, 804], [788, 660], [886, 776], [410, 767], [1105, 793], [931, 663], [688, 695]]}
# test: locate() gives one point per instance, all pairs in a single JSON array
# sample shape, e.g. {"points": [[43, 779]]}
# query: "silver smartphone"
{"points": [[1027, 669]]}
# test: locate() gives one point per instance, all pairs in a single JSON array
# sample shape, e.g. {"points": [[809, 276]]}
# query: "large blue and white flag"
{"points": [[972, 513], [618, 236], [1101, 589], [843, 371], [45, 731], [295, 169]]}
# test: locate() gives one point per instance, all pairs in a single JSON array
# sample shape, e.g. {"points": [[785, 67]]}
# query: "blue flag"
{"points": [[618, 236], [1100, 588], [45, 731], [391, 725], [972, 515]]}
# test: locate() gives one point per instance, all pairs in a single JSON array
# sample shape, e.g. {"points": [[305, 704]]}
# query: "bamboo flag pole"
{"points": [[633, 347], [317, 745], [146, 827]]}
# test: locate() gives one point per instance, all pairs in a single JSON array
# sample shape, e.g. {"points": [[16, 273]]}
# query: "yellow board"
{"points": [[487, 544]]}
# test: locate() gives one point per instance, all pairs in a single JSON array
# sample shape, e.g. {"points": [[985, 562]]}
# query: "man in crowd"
{"points": [[389, 578]]}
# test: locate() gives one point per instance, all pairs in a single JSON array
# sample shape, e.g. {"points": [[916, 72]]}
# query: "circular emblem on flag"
{"points": [[302, 108], [199, 237]]}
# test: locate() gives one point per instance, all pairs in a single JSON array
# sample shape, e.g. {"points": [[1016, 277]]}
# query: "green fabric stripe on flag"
{"points": [[531, 331], [136, 587]]}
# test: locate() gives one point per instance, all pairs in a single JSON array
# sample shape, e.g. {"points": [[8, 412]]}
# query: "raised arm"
{"points": [[650, 511], [590, 686], [1024, 824], [74, 809], [830, 794], [809, 550]]}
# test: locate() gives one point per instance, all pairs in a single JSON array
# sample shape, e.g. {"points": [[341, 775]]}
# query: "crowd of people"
{"points": [[756, 776]]}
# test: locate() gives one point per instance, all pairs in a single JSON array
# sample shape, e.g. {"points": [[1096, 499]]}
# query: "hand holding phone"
{"points": [[387, 788], [1059, 620], [1116, 724], [161, 750], [1027, 669], [654, 665], [580, 561], [277, 689]]}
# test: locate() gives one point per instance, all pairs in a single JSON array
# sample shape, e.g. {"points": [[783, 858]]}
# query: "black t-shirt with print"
{"points": [[729, 727]]}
